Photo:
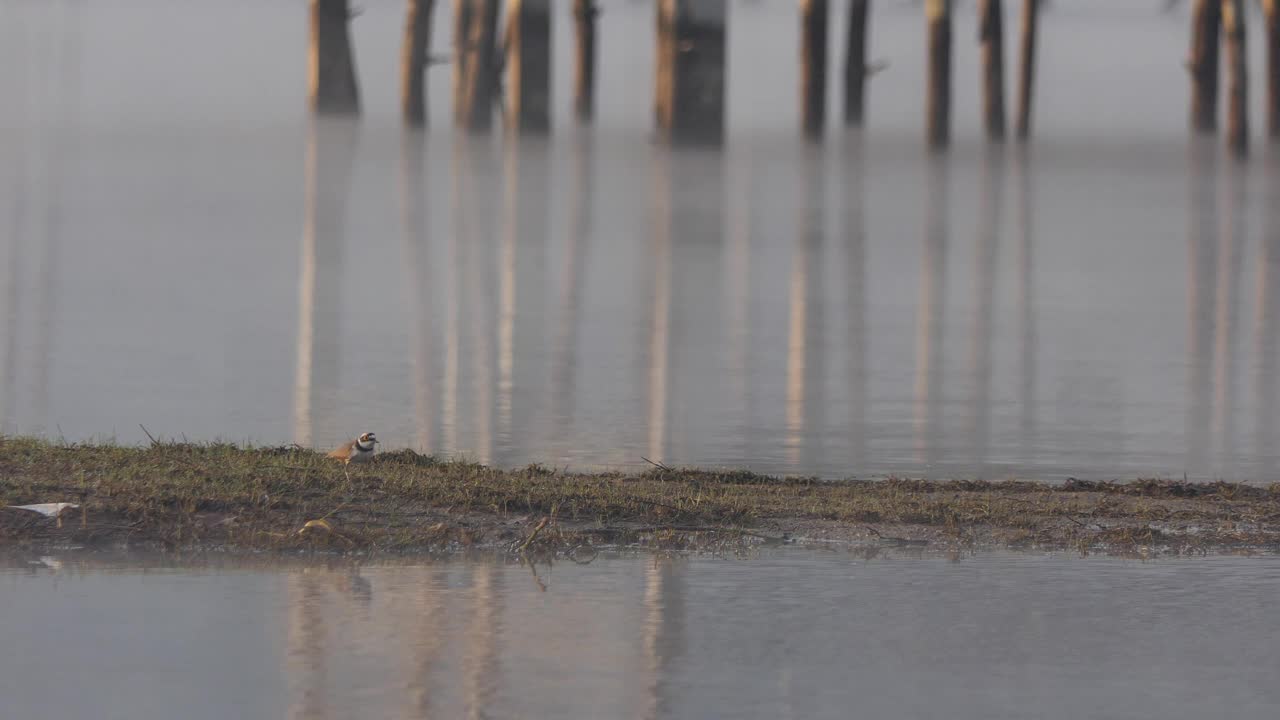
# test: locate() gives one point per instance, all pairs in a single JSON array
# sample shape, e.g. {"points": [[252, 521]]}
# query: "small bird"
{"points": [[359, 450]]}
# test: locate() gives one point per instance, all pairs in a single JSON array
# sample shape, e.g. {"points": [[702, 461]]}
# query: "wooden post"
{"points": [[938, 103], [475, 77], [413, 63], [855, 64], [584, 79], [690, 83], [332, 86], [991, 36], [813, 67], [461, 59], [1027, 66], [1206, 22], [529, 66], [1271, 10], [1233, 29]]}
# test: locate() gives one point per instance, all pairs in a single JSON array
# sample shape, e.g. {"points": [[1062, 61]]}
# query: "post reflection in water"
{"points": [[308, 647], [1201, 283], [576, 255], [1226, 316], [663, 633], [805, 350], [737, 271], [482, 659], [1025, 298], [329, 158], [984, 289], [930, 320], [414, 213], [1267, 327], [521, 269], [659, 354], [474, 280], [855, 281]]}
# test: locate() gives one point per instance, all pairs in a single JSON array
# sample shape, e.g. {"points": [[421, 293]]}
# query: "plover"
{"points": [[359, 450]]}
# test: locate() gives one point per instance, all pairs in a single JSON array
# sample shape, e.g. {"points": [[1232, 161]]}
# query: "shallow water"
{"points": [[801, 634], [184, 250]]}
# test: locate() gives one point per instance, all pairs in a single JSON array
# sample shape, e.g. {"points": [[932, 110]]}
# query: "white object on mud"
{"points": [[46, 509]]}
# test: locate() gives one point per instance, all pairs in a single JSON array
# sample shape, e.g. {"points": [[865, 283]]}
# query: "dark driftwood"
{"points": [[413, 62], [1027, 66], [476, 58], [690, 88], [584, 78], [938, 103], [1271, 10], [991, 36], [1206, 23], [332, 88], [528, 66], [855, 64], [813, 66], [1233, 30]]}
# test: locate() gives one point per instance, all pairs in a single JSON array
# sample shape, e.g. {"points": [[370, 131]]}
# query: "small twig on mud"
{"points": [[154, 441], [533, 534], [658, 465]]}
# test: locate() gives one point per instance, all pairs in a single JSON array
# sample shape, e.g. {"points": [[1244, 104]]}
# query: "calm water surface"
{"points": [[796, 634], [183, 249]]}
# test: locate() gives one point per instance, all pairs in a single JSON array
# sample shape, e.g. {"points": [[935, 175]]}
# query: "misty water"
{"points": [[793, 634], [183, 249]]}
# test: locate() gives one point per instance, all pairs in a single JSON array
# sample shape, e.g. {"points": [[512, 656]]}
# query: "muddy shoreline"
{"points": [[178, 496]]}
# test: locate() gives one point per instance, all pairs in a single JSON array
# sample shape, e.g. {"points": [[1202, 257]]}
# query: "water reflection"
{"points": [[576, 256], [330, 155], [1267, 327], [855, 305], [787, 634], [418, 263], [984, 290], [930, 311], [1025, 302], [805, 350]]}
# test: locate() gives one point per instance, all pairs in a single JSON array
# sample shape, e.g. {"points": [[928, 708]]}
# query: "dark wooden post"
{"points": [[461, 58], [813, 66], [1027, 66], [584, 79], [1206, 23], [529, 66], [938, 104], [332, 85], [1233, 29], [991, 36], [855, 64], [475, 76], [413, 63], [690, 85], [1272, 13]]}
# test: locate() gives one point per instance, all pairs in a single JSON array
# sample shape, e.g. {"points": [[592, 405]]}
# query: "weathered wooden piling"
{"points": [[855, 64], [585, 13], [813, 66], [1271, 13], [528, 48], [413, 62], [1233, 30], [1206, 23], [690, 83], [332, 85], [991, 36], [476, 63], [1027, 66], [938, 103]]}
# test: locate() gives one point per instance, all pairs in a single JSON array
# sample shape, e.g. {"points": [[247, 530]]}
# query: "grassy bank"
{"points": [[223, 496]]}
